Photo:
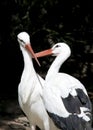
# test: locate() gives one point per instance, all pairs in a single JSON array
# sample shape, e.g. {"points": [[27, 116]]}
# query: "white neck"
{"points": [[54, 68], [28, 70], [29, 82]]}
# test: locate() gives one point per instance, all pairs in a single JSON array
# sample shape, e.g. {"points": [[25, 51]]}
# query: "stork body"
{"points": [[65, 97], [30, 89]]}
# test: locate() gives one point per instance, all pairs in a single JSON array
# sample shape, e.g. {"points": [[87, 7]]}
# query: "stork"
{"points": [[30, 88], [65, 97]]}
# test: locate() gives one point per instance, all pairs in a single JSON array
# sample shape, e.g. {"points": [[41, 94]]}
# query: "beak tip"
{"points": [[39, 64]]}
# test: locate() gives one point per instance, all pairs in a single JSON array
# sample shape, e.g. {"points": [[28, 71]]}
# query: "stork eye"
{"points": [[57, 46], [21, 41]]}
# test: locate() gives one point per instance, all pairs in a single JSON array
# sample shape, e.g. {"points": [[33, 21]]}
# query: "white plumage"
{"points": [[65, 97], [30, 89]]}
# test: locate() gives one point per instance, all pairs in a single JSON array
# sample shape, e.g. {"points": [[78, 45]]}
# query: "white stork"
{"points": [[65, 97], [30, 88]]}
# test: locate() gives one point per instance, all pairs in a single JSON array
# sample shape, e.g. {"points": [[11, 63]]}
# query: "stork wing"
{"points": [[78, 108], [68, 110]]}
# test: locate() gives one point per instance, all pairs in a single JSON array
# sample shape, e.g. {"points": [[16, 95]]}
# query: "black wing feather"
{"points": [[84, 99], [73, 122], [72, 105]]}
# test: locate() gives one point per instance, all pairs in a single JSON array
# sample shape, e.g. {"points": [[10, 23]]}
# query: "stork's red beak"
{"points": [[29, 48], [44, 53]]}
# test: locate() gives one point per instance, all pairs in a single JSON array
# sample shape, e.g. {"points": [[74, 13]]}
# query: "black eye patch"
{"points": [[57, 46], [22, 41]]}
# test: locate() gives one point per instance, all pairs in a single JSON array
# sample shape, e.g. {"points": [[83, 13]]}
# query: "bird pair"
{"points": [[60, 102]]}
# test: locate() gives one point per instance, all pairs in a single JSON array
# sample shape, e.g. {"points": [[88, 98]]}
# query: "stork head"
{"points": [[59, 48], [24, 41], [23, 38]]}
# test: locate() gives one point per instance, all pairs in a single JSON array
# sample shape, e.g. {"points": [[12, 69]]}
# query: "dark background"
{"points": [[47, 22]]}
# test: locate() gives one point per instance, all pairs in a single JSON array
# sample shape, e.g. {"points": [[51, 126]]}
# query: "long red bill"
{"points": [[29, 48], [43, 53]]}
